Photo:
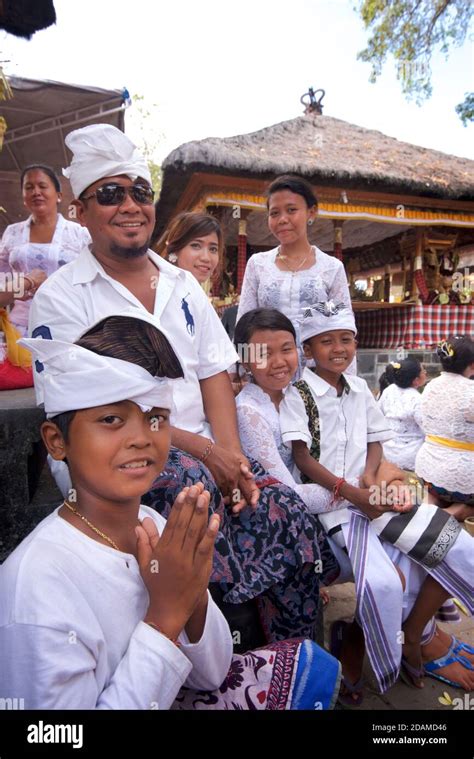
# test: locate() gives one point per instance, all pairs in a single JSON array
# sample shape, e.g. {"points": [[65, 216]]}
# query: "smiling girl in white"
{"points": [[194, 242], [295, 274]]}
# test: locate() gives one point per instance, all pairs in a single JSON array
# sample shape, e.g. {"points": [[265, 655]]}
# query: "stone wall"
{"points": [[371, 363]]}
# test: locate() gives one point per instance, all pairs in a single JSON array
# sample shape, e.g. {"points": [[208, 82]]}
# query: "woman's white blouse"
{"points": [[18, 254], [266, 286], [447, 410], [401, 406]]}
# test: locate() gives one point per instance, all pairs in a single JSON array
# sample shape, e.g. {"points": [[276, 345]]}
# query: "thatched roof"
{"points": [[328, 152]]}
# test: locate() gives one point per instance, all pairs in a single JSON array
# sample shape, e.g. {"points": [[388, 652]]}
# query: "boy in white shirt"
{"points": [[85, 621], [336, 430]]}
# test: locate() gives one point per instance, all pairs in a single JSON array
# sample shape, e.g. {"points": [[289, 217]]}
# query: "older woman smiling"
{"points": [[35, 248]]}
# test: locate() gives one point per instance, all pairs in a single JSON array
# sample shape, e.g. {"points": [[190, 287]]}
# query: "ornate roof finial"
{"points": [[314, 105]]}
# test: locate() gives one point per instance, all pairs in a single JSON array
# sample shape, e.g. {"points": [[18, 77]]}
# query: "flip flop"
{"points": [[461, 646], [449, 658], [345, 699], [409, 673]]}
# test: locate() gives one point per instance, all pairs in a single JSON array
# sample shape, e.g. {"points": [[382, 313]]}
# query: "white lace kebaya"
{"points": [[401, 406], [18, 254], [267, 286], [447, 409], [260, 435]]}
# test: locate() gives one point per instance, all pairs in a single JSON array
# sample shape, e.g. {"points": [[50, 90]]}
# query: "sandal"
{"points": [[409, 673], [449, 658], [461, 646], [345, 699]]}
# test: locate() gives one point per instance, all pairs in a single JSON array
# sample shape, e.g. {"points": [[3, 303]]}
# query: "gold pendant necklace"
{"points": [[284, 258], [89, 524]]}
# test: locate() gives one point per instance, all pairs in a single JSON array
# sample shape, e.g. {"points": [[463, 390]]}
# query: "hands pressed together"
{"points": [[177, 565]]}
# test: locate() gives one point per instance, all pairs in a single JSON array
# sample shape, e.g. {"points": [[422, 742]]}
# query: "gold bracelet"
{"points": [[208, 450], [158, 629]]}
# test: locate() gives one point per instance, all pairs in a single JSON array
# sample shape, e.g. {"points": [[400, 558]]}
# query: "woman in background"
{"points": [[295, 274], [445, 461], [399, 401], [35, 248], [193, 241]]}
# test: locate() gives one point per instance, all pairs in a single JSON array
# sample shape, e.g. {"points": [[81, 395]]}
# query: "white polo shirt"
{"points": [[347, 423], [81, 293]]}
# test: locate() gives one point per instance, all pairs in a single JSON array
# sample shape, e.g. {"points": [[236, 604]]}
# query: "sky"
{"points": [[215, 68]]}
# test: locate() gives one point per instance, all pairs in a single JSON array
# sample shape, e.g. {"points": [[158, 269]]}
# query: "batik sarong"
{"points": [[288, 675], [277, 554]]}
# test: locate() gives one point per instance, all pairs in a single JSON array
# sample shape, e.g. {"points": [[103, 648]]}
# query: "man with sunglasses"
{"points": [[114, 200]]}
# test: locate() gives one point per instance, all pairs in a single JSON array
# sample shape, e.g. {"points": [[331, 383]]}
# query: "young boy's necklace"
{"points": [[89, 524]]}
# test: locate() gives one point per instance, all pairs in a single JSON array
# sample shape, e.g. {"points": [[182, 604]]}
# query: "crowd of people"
{"points": [[267, 489]]}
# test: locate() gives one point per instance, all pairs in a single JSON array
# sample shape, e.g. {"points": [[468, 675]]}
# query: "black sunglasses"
{"points": [[113, 194]]}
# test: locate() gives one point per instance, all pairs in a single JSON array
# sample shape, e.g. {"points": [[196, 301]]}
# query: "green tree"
{"points": [[465, 110], [410, 30]]}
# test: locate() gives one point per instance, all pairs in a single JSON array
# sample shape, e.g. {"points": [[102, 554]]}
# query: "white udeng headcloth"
{"points": [[76, 378], [102, 150], [323, 317]]}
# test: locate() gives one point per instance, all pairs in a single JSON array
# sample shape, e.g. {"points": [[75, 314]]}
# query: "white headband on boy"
{"points": [[102, 150], [76, 378], [323, 317]]}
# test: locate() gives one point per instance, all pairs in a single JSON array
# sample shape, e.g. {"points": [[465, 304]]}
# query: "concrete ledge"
{"points": [[371, 363]]}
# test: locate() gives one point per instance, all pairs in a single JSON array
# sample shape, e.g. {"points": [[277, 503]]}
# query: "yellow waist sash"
{"points": [[461, 444]]}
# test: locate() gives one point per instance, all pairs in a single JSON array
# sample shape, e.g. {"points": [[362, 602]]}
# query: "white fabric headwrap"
{"points": [[76, 378], [102, 150], [323, 317]]}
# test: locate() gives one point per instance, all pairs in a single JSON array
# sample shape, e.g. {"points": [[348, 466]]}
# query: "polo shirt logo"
{"points": [[44, 332], [188, 315]]}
